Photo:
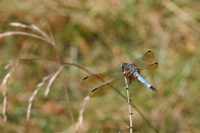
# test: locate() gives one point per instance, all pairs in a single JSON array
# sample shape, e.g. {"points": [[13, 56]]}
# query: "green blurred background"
{"points": [[99, 35]]}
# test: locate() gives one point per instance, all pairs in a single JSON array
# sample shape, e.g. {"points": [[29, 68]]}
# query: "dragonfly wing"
{"points": [[149, 69], [144, 60], [115, 84], [96, 80]]}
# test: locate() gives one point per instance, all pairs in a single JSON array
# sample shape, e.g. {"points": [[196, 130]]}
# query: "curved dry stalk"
{"points": [[4, 85], [35, 28], [10, 33], [32, 27], [39, 86], [52, 80]]}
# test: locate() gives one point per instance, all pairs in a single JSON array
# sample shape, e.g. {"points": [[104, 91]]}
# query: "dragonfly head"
{"points": [[122, 66]]}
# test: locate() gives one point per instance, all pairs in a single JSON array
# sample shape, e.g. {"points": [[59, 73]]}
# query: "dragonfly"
{"points": [[137, 70]]}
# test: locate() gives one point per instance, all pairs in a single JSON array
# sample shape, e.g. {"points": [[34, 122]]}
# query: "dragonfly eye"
{"points": [[122, 66]]}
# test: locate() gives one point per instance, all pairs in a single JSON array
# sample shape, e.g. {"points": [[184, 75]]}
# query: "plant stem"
{"points": [[129, 104]]}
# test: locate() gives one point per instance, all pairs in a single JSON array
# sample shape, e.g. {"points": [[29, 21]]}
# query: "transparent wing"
{"points": [[116, 84], [96, 80], [145, 60], [148, 70]]}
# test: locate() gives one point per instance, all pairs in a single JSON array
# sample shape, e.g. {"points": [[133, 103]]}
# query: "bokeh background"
{"points": [[99, 35]]}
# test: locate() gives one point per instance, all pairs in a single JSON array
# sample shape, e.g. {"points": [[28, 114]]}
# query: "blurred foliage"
{"points": [[99, 35]]}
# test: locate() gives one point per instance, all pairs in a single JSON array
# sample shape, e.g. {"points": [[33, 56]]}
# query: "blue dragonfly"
{"points": [[103, 82]]}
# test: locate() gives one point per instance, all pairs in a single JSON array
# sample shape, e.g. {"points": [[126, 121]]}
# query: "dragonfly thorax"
{"points": [[128, 68]]}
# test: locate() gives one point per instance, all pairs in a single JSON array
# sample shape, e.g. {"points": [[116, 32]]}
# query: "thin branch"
{"points": [[145, 119], [129, 104]]}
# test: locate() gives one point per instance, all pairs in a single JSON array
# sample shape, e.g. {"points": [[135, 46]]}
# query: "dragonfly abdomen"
{"points": [[142, 80]]}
